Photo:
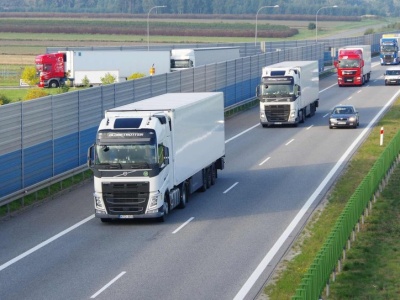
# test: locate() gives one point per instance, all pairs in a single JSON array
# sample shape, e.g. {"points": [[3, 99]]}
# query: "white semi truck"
{"points": [[182, 59], [288, 92], [150, 155]]}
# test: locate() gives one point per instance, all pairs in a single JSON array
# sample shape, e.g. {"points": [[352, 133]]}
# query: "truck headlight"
{"points": [[98, 201], [154, 200]]}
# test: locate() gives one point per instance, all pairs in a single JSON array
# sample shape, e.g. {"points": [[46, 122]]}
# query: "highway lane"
{"points": [[208, 250]]}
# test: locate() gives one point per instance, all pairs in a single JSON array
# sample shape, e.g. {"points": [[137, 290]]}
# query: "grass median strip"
{"points": [[288, 276]]}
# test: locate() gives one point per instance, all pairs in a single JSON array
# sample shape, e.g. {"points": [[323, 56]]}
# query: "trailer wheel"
{"points": [[208, 177], [203, 188], [54, 84], [213, 174], [183, 195]]}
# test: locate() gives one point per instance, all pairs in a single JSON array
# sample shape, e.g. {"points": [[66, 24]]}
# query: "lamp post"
{"points": [[255, 37], [148, 34], [316, 20]]}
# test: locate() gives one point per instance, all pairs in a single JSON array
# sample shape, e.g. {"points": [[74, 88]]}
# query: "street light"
{"points": [[316, 20], [255, 38], [148, 15]]}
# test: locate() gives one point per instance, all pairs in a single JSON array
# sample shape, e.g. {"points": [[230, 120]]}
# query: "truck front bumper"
{"points": [[103, 215]]}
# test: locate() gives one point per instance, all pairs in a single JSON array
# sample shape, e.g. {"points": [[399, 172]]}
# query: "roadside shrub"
{"points": [[29, 75], [108, 79], [369, 31], [4, 99], [35, 93], [311, 26], [85, 81], [136, 76]]}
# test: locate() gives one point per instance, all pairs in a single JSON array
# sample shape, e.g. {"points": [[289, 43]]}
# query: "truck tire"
{"points": [[203, 188], [166, 209], [213, 174], [183, 195], [301, 116], [208, 177], [54, 84]]}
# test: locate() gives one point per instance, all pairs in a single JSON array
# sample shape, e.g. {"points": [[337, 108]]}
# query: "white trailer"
{"points": [[182, 59], [288, 92], [80, 63], [150, 155]]}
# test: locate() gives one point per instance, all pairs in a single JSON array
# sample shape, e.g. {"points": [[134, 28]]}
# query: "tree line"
{"points": [[302, 7]]}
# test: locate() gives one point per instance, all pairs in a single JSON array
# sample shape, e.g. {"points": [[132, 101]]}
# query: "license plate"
{"points": [[349, 80], [278, 123], [125, 217], [341, 123]]}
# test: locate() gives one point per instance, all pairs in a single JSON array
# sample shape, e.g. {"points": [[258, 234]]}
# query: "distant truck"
{"points": [[55, 69], [182, 59], [150, 155], [353, 65], [389, 49], [392, 76], [288, 92]]}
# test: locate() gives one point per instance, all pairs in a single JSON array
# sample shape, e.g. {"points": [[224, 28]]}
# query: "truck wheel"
{"points": [[208, 177], [301, 116], [166, 211], [213, 174], [183, 195], [54, 84], [203, 188]]}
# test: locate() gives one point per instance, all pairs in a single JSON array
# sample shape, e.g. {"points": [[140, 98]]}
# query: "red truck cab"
{"points": [[349, 67], [50, 68]]}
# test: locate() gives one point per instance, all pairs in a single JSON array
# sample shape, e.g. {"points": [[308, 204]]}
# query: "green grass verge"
{"points": [[291, 270], [372, 266]]}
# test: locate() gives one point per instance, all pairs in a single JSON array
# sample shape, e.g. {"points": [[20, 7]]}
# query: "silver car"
{"points": [[344, 116]]}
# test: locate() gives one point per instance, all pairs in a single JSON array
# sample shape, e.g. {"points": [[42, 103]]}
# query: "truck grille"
{"points": [[126, 198], [388, 58], [277, 113]]}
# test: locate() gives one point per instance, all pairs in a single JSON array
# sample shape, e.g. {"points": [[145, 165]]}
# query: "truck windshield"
{"points": [[388, 48], [349, 63], [277, 91], [125, 154], [181, 63]]}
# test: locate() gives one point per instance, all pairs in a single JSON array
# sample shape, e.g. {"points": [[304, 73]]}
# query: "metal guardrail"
{"points": [[326, 260], [41, 185]]}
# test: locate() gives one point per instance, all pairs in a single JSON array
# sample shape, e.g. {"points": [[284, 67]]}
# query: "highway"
{"points": [[223, 245]]}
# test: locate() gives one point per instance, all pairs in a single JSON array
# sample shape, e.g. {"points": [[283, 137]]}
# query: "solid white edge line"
{"points": [[264, 161], [278, 244], [183, 225], [48, 241], [107, 285], [289, 142], [232, 186]]}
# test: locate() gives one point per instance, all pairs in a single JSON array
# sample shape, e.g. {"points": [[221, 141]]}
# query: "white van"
{"points": [[392, 75]]}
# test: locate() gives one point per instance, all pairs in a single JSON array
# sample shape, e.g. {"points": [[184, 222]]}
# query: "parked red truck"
{"points": [[353, 65]]}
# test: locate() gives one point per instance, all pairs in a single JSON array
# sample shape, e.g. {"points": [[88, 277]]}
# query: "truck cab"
{"points": [[130, 162]]}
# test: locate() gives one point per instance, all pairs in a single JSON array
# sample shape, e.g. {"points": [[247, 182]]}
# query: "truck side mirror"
{"points": [[90, 156], [258, 91], [166, 155], [362, 64], [335, 63]]}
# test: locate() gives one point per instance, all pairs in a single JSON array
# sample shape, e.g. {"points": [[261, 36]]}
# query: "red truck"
{"points": [[86, 64], [353, 65], [50, 68]]}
